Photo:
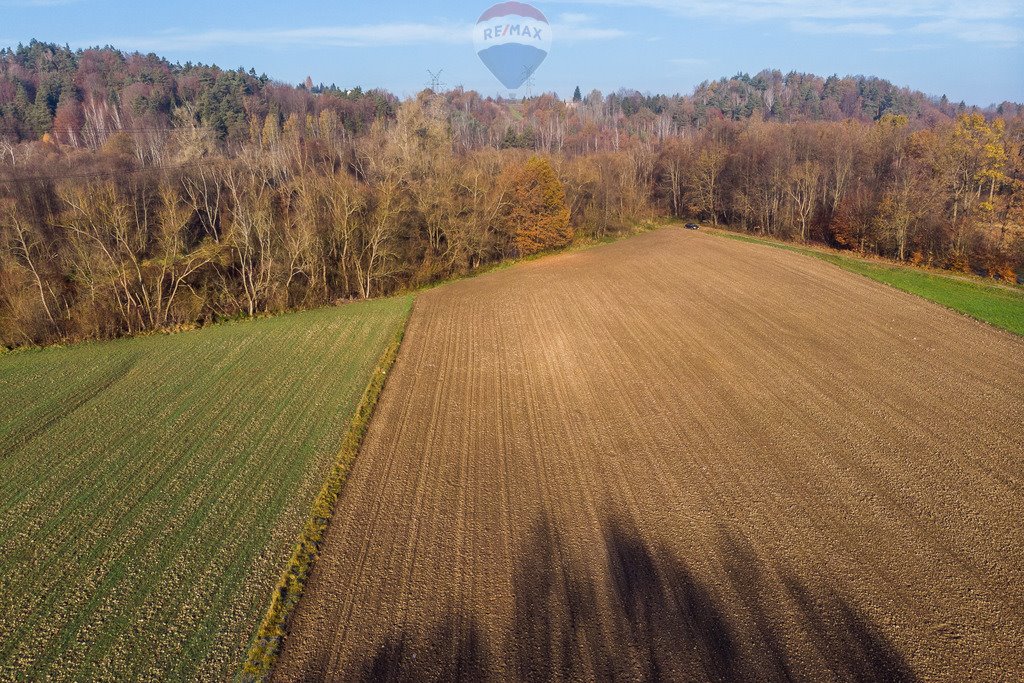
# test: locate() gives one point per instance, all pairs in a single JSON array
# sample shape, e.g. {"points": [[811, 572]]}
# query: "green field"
{"points": [[151, 489], [999, 305]]}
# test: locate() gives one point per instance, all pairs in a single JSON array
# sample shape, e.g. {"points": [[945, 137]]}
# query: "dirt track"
{"points": [[680, 457]]}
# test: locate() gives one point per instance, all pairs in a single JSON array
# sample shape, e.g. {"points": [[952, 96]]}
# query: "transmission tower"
{"points": [[528, 82], [436, 84]]}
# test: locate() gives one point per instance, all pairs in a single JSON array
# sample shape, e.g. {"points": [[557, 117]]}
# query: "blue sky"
{"points": [[968, 49]]}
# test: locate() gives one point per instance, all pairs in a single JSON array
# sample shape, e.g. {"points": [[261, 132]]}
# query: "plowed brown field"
{"points": [[680, 457]]}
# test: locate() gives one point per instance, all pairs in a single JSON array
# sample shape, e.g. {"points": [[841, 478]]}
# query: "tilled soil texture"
{"points": [[680, 457]]}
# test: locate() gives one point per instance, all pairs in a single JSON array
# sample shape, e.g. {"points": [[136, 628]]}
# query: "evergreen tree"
{"points": [[577, 96], [511, 139]]}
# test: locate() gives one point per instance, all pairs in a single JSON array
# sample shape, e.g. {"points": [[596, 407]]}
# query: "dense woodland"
{"points": [[137, 195]]}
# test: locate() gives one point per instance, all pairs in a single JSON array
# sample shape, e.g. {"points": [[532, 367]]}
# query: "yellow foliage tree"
{"points": [[537, 217]]}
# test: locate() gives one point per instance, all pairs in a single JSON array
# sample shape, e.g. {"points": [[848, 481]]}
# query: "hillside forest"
{"points": [[140, 195]]}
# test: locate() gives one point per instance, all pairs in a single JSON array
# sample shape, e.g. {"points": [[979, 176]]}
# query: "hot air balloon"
{"points": [[512, 39]]}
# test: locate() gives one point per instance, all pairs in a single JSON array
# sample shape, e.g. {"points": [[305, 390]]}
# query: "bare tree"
{"points": [[804, 181], [250, 232], [27, 246]]}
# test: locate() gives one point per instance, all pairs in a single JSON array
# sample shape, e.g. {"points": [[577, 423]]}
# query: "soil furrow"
{"points": [[680, 458]]}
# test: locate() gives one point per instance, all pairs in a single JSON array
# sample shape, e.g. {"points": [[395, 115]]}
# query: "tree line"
{"points": [[80, 95], [162, 195]]}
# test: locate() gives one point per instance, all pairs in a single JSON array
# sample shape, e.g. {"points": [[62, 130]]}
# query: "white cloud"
{"points": [[974, 32], [572, 33], [913, 47], [856, 27], [997, 22], [35, 3], [827, 9], [368, 35], [575, 18], [576, 26]]}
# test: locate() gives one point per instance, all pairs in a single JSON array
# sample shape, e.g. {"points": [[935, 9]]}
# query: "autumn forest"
{"points": [[140, 195]]}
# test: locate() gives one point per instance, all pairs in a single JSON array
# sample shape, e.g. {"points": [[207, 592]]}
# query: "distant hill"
{"points": [[781, 97], [50, 89]]}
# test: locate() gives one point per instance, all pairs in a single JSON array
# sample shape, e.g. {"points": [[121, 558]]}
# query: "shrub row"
{"points": [[269, 638]]}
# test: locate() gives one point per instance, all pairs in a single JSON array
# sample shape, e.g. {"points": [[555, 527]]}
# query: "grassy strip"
{"points": [[998, 305], [266, 646]]}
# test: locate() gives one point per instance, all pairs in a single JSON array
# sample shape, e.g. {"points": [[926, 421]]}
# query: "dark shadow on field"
{"points": [[451, 653], [645, 616]]}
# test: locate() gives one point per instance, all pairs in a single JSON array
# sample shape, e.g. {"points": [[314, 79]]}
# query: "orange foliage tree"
{"points": [[537, 217]]}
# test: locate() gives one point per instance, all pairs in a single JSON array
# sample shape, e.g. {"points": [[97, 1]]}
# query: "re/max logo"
{"points": [[512, 30]]}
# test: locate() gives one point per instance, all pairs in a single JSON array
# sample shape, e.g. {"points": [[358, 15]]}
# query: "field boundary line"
{"points": [[827, 253], [267, 642], [578, 244], [877, 270]]}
